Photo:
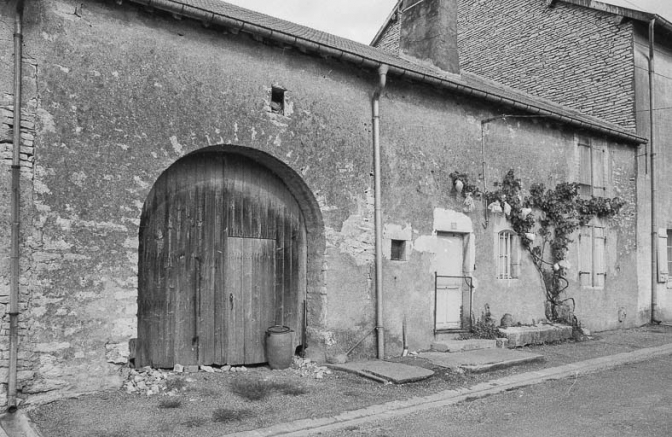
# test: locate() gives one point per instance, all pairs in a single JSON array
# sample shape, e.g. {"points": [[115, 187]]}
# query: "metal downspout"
{"points": [[382, 73], [652, 150], [16, 217]]}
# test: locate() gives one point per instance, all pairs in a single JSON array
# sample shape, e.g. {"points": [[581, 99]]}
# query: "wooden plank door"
{"points": [[250, 287], [221, 258], [449, 291]]}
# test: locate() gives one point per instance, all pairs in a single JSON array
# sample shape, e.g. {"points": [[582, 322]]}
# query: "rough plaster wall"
{"points": [[663, 140], [110, 128], [106, 130], [575, 56]]}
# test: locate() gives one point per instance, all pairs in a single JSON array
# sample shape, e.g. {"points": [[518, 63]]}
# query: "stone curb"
{"points": [[450, 397]]}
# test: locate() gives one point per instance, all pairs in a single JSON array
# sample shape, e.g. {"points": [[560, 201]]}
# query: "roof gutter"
{"points": [[209, 18]]}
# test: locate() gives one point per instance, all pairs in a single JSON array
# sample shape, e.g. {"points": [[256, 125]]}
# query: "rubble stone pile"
{"points": [[149, 382]]}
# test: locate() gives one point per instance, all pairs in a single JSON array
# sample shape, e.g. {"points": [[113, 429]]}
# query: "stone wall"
{"points": [[125, 93], [578, 57]]}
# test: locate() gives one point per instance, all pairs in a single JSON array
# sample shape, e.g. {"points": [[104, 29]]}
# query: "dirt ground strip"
{"points": [[219, 403]]}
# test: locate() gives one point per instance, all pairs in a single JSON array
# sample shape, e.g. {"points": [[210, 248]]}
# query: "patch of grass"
{"points": [[170, 403], [225, 415], [290, 389], [210, 392], [175, 384], [251, 389], [194, 422]]}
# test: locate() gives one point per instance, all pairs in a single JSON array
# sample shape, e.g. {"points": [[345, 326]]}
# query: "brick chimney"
{"points": [[429, 33]]}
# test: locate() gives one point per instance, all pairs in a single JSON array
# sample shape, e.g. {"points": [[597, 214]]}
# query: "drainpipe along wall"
{"points": [[375, 102], [16, 217], [652, 150]]}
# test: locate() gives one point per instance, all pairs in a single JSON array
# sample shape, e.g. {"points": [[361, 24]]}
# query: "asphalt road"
{"points": [[634, 400]]}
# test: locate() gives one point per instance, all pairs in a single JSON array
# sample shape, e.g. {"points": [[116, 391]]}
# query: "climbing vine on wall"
{"points": [[546, 220]]}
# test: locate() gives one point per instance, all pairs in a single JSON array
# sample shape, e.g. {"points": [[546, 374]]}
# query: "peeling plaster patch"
{"points": [[254, 133], [64, 224], [131, 243], [140, 182], [51, 347], [154, 155], [356, 237], [57, 245], [157, 85], [278, 141], [115, 74], [78, 178], [235, 132], [123, 146], [176, 145], [108, 226], [46, 121], [447, 220], [47, 37], [62, 68]]}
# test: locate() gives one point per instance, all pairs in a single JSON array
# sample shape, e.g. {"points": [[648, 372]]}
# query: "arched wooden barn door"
{"points": [[222, 258]]}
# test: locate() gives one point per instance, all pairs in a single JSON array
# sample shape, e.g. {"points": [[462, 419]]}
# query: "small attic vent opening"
{"points": [[277, 100]]}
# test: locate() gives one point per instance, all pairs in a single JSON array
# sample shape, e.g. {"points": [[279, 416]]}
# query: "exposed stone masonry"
{"points": [[578, 57]]}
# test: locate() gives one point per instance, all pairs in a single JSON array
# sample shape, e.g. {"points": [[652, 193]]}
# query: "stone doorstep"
{"points": [[480, 361], [525, 335], [463, 345], [381, 371]]}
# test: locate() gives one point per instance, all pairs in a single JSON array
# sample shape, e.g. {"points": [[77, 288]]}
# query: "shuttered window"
{"points": [[664, 254], [592, 169], [592, 263], [508, 255]]}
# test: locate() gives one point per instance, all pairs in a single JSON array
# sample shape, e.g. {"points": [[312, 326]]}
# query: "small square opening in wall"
{"points": [[277, 100], [398, 252]]}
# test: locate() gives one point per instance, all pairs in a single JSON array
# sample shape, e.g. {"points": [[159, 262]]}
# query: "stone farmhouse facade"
{"points": [[189, 173], [593, 57]]}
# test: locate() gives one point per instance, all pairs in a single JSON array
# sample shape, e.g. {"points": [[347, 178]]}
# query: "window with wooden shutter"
{"points": [[663, 259], [592, 168], [585, 256], [599, 264], [585, 167], [592, 261]]}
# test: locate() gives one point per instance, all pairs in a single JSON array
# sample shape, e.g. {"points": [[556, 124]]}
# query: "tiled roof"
{"points": [[221, 13]]}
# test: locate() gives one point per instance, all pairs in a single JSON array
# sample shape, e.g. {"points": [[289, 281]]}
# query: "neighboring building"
{"points": [[193, 172], [592, 57]]}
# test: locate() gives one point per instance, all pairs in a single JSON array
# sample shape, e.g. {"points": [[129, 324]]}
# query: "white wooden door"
{"points": [[449, 291]]}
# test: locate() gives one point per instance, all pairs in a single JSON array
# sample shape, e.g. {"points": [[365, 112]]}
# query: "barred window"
{"points": [[508, 255]]}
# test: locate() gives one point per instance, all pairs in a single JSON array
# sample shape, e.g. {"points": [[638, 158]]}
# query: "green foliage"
{"points": [[170, 403], [290, 388], [251, 389], [468, 186], [176, 384], [485, 327], [225, 415], [556, 214]]}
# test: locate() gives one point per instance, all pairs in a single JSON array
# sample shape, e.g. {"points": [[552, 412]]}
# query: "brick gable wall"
{"points": [[575, 56]]}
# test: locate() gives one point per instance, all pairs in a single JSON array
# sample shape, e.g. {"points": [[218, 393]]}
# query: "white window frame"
{"points": [[508, 255]]}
